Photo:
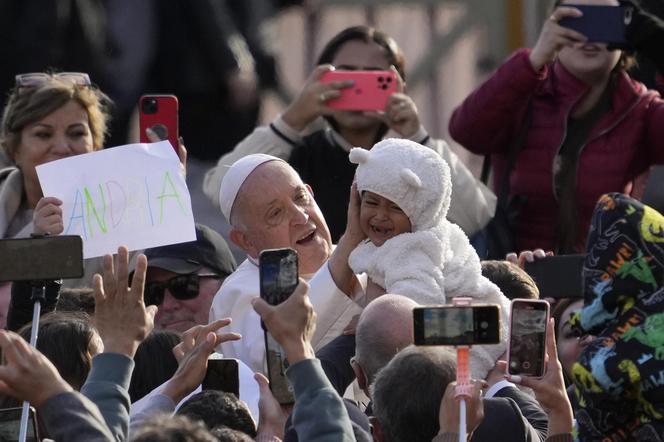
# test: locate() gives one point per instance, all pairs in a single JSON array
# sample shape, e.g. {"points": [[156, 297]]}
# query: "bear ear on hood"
{"points": [[410, 178], [358, 155]]}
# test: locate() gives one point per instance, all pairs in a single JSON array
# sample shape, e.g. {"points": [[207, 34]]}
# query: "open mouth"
{"points": [[307, 239], [382, 231]]}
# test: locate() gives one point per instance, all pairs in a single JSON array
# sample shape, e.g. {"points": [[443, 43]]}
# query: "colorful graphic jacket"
{"points": [[619, 378]]}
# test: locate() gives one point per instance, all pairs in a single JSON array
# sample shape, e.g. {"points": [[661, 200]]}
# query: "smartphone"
{"points": [[370, 92], [278, 275], [527, 344], [41, 258], [159, 113], [222, 375], [457, 325], [10, 423], [558, 276], [603, 24]]}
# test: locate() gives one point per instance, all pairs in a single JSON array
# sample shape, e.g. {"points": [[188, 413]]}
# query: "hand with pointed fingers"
{"points": [[121, 316], [272, 415], [555, 37], [550, 389], [311, 102], [291, 323], [527, 256], [26, 373], [192, 337], [47, 217]]}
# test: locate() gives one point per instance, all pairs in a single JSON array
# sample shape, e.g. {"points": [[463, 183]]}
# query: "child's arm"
{"points": [[341, 272]]}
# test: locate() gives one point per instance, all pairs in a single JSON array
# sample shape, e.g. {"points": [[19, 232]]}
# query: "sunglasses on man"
{"points": [[181, 287]]}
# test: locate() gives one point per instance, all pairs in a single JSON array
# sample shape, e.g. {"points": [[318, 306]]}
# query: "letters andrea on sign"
{"points": [[136, 201]]}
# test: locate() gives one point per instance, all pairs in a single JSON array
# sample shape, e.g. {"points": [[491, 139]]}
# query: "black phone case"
{"points": [[602, 24], [558, 276]]}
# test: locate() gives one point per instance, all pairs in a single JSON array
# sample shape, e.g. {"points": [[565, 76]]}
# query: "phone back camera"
{"points": [[383, 86], [149, 106], [381, 79]]}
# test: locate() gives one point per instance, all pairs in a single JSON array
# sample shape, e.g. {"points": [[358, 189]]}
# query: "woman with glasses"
{"points": [[47, 117]]}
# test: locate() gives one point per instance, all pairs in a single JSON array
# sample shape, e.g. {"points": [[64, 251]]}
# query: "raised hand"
{"points": [[554, 37], [121, 317]]}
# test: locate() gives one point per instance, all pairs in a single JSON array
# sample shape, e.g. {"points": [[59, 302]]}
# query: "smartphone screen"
{"points": [[599, 23], [10, 422], [527, 344], [159, 113], [42, 258], [222, 375], [558, 276], [457, 325], [278, 274]]}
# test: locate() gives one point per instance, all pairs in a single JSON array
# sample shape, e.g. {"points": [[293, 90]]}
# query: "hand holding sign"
{"points": [[132, 195]]}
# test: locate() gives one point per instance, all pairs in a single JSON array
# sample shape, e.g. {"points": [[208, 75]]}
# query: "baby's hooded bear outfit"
{"points": [[435, 261]]}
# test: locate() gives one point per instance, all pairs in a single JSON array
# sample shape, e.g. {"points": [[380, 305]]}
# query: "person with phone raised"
{"points": [[571, 121], [321, 157]]}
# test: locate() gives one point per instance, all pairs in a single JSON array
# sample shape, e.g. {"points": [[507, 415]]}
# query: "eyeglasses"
{"points": [[34, 79], [182, 287]]}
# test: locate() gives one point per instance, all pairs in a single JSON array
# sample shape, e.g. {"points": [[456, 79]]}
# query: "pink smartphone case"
{"points": [[370, 92]]}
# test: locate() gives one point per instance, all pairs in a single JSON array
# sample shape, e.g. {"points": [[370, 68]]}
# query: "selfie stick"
{"points": [[38, 296], [463, 388]]}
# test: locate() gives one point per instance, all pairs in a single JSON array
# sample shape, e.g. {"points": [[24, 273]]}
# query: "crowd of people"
{"points": [[382, 217]]}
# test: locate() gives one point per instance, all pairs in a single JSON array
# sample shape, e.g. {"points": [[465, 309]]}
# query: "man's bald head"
{"points": [[385, 327]]}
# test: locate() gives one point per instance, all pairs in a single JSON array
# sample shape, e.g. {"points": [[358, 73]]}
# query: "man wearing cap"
{"points": [[182, 279], [268, 206]]}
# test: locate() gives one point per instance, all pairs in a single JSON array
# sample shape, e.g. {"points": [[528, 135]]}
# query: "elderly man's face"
{"points": [[277, 210], [182, 314]]}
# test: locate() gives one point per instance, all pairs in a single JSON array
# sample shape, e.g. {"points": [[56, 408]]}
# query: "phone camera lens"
{"points": [[484, 325], [383, 86], [389, 79], [150, 106], [381, 79]]}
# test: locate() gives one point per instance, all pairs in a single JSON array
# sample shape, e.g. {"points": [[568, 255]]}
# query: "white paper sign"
{"points": [[129, 195]]}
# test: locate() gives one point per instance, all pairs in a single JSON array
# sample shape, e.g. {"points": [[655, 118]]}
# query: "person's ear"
{"points": [[242, 240], [310, 190], [376, 430], [361, 377]]}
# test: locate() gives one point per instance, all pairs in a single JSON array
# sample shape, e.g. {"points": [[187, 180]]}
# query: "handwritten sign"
{"points": [[129, 195]]}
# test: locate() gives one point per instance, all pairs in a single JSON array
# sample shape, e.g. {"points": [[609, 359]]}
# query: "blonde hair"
{"points": [[27, 105]]}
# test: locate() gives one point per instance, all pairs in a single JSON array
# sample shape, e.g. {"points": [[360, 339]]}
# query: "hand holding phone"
{"points": [[527, 344], [278, 274], [371, 90], [600, 23], [159, 113], [558, 276]]}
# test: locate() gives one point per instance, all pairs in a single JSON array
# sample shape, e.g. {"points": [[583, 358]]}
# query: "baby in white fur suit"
{"points": [[411, 247]]}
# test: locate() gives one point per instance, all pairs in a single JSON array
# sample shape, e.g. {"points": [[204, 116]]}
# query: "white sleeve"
{"points": [[277, 139], [333, 308]]}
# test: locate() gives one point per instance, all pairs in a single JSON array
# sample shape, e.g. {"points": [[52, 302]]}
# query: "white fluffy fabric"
{"points": [[435, 262]]}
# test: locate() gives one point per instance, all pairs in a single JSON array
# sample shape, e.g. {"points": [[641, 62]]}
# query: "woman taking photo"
{"points": [[586, 127]]}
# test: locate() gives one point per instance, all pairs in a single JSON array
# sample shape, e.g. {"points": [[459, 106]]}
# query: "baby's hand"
{"points": [[47, 217], [354, 234]]}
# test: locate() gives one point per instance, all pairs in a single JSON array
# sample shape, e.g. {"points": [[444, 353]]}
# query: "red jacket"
{"points": [[628, 139]]}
